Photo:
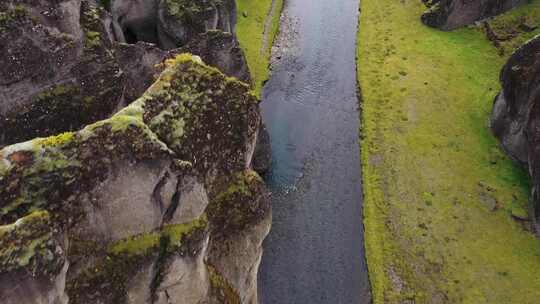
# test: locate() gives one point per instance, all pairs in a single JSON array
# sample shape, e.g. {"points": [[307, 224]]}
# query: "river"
{"points": [[314, 253]]}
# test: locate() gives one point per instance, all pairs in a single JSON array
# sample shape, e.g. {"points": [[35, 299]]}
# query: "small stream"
{"points": [[314, 253]]}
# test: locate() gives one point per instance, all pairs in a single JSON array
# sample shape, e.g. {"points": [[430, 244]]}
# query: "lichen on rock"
{"points": [[451, 14], [112, 191]]}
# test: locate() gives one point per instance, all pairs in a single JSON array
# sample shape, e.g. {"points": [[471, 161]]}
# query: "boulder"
{"points": [[156, 204], [515, 118], [452, 14]]}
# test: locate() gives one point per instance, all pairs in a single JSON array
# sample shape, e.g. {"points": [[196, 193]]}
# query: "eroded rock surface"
{"points": [[515, 118], [57, 72], [172, 23], [451, 14], [157, 204], [64, 65]]}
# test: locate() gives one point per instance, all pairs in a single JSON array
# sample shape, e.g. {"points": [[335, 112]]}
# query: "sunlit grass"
{"points": [[252, 15], [439, 193]]}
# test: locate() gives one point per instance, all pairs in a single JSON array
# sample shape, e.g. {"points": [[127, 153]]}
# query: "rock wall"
{"points": [[157, 204], [515, 119], [171, 23], [451, 14], [126, 170], [64, 64]]}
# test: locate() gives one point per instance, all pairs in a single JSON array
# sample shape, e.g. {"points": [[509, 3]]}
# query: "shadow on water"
{"points": [[314, 253]]}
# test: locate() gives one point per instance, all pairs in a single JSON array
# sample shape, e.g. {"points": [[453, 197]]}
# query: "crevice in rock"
{"points": [[156, 194], [175, 201], [159, 267]]}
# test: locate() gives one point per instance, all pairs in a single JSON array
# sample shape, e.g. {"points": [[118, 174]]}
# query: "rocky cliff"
{"points": [[451, 14], [64, 64], [126, 169], [515, 119]]}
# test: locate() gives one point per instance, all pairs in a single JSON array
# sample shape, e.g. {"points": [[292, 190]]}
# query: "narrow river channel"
{"points": [[314, 253]]}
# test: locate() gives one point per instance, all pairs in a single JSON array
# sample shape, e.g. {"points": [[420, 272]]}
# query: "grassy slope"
{"points": [[439, 193], [250, 31]]}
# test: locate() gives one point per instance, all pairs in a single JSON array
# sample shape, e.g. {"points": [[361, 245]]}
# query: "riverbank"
{"points": [[445, 211], [258, 25]]}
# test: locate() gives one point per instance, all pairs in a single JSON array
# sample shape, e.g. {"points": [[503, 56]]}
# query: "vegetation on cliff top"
{"points": [[443, 207], [147, 126], [252, 18]]}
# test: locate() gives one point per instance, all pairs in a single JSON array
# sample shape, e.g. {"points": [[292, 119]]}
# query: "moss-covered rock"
{"points": [[112, 190], [29, 244], [451, 14], [58, 73], [180, 20], [239, 203], [516, 114]]}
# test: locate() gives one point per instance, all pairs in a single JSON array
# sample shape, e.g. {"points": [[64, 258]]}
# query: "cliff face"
{"points": [[157, 203], [515, 119], [170, 23], [451, 14], [64, 64]]}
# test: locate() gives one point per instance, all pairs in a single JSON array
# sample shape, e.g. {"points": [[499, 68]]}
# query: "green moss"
{"points": [[430, 236], [516, 27], [91, 25], [239, 203], [175, 116], [93, 39], [58, 140], [148, 242], [190, 12], [112, 271], [251, 34], [10, 15], [223, 289], [27, 244]]}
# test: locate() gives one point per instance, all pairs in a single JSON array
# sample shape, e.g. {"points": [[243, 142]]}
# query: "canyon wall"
{"points": [[126, 168], [515, 119]]}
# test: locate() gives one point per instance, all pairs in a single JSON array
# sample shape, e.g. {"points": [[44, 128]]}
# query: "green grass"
{"points": [[439, 193], [251, 30]]}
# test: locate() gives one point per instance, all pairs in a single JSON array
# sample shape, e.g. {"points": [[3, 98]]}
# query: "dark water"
{"points": [[314, 253]]}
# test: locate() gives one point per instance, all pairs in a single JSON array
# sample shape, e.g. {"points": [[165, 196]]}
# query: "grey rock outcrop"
{"points": [[222, 50], [515, 119], [171, 23], [64, 65], [157, 204], [262, 159], [57, 72], [451, 14]]}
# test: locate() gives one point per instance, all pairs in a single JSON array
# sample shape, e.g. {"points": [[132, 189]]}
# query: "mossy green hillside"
{"points": [[256, 29], [439, 193]]}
